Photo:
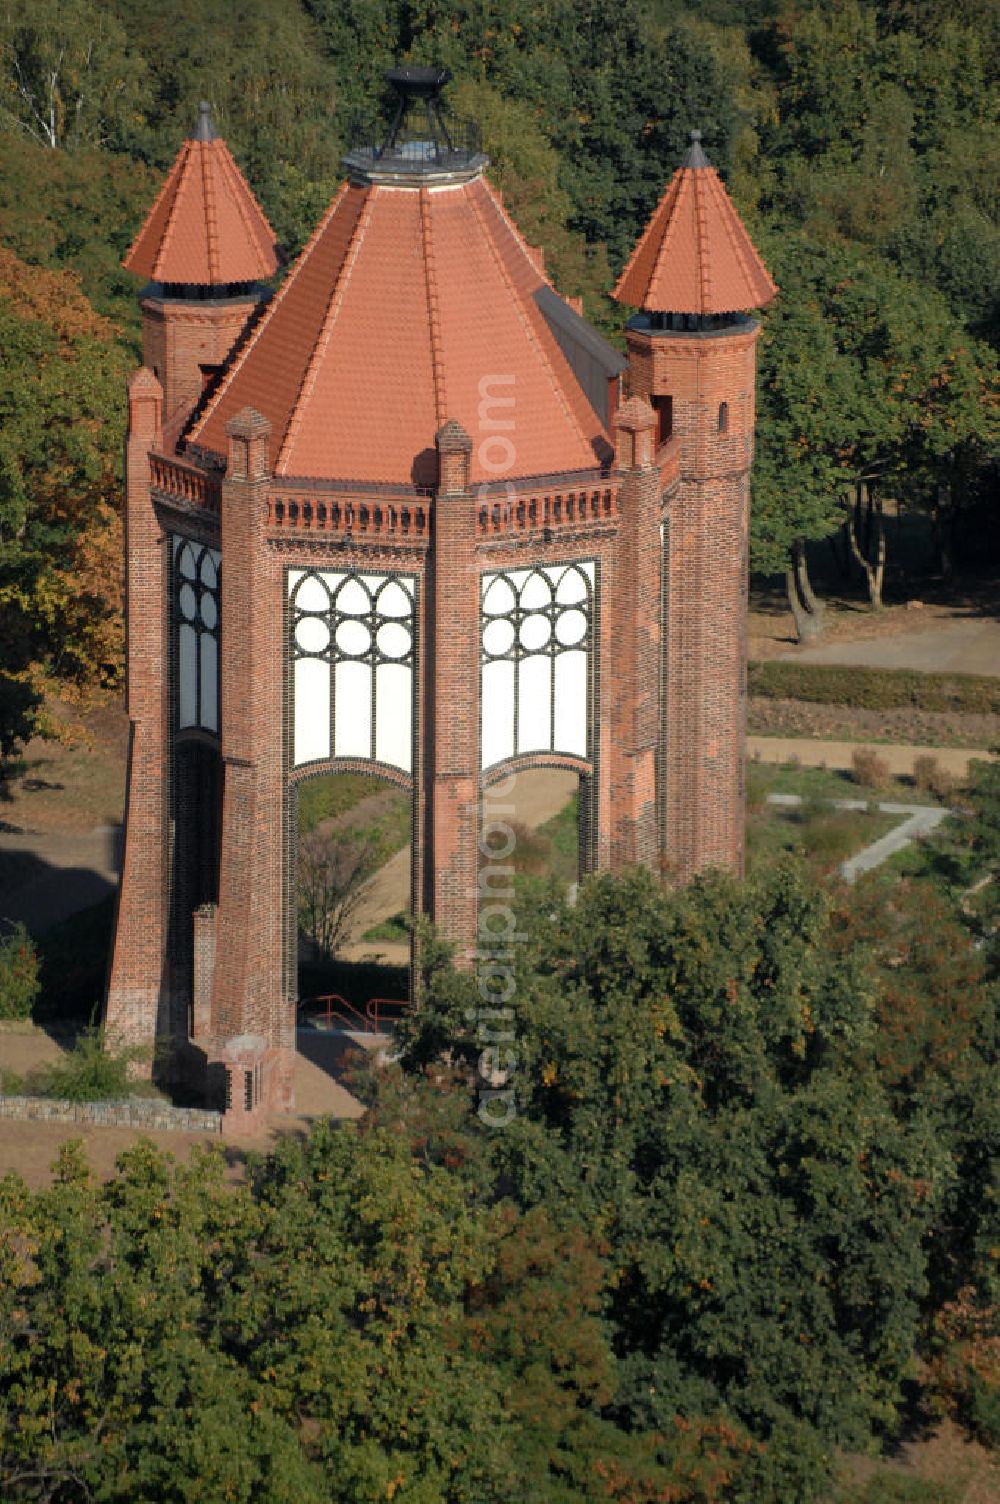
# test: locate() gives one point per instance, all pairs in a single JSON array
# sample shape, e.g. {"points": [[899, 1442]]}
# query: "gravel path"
{"points": [[971, 646]]}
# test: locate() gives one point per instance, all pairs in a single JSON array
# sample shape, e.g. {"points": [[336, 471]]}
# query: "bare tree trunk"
{"points": [[806, 610], [865, 528], [808, 596]]}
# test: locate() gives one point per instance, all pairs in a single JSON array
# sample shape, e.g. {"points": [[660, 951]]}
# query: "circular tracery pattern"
{"points": [[365, 618], [535, 612], [536, 655], [352, 642]]}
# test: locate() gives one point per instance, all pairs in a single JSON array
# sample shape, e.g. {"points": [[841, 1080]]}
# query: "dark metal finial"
{"points": [[205, 129], [695, 157], [419, 86]]}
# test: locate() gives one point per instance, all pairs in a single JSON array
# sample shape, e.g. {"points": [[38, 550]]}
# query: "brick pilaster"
{"points": [[452, 762], [633, 643], [247, 992], [138, 969]]}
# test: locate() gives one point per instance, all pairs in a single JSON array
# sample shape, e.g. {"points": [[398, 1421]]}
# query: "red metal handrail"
{"points": [[385, 1010], [343, 1011], [377, 1011]]}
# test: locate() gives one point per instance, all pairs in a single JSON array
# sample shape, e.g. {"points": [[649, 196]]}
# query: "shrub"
{"points": [[87, 1073], [870, 769], [74, 958], [980, 1408], [875, 688], [932, 778], [19, 984]]}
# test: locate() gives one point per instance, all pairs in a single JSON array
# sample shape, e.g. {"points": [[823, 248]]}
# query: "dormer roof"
{"points": [[205, 227], [695, 255]]}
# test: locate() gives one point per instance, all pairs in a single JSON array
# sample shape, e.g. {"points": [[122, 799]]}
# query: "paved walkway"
{"points": [[920, 820], [812, 753], [971, 646]]}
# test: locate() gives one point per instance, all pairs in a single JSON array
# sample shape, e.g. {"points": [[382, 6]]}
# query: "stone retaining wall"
{"points": [[127, 1112]]}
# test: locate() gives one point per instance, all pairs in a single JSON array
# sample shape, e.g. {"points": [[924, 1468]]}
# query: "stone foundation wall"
{"points": [[130, 1112]]}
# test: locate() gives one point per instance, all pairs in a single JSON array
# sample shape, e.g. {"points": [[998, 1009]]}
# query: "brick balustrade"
{"points": [[187, 483], [409, 519], [501, 516]]}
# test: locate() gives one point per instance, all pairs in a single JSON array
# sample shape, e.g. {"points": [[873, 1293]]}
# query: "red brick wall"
{"points": [[138, 961], [632, 648], [181, 336], [451, 700], [247, 995]]}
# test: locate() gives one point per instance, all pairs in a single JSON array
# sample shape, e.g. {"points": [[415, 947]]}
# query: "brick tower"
{"points": [[408, 523], [691, 355], [208, 250]]}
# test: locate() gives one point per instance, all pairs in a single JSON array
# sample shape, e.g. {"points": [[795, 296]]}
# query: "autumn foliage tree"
{"points": [[61, 427]]}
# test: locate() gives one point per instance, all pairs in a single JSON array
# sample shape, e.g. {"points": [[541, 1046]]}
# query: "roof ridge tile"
{"points": [[211, 218], [269, 313], [526, 320], [433, 313], [166, 239], [325, 330]]}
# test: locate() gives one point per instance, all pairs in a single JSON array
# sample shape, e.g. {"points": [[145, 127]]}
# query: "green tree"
{"points": [[61, 377], [696, 1082], [67, 75], [19, 984]]}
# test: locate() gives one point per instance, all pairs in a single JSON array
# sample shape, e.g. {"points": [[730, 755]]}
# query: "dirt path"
{"points": [[823, 754], [964, 647], [46, 876], [538, 795], [30, 1148]]}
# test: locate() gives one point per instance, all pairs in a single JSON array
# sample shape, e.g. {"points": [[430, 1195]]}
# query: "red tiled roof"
{"points": [[695, 255], [205, 226], [403, 304]]}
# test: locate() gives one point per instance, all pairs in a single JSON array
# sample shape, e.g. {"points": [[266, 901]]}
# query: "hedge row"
{"points": [[875, 688]]}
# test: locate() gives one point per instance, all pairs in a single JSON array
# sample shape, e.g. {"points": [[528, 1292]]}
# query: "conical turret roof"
{"points": [[205, 227], [413, 303], [695, 255]]}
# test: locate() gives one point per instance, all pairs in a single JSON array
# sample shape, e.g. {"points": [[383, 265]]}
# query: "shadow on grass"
{"points": [[74, 967]]}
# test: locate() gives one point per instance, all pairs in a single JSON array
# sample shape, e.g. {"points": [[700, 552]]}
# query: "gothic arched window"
{"points": [[352, 666], [537, 639], [196, 618]]}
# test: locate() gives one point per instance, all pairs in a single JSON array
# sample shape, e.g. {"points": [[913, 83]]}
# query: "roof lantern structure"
{"points": [[205, 228], [414, 290], [695, 256], [420, 142]]}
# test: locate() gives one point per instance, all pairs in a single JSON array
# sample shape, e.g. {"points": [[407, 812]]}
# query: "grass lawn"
{"points": [[397, 927], [823, 835], [562, 833], [765, 778], [333, 796]]}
